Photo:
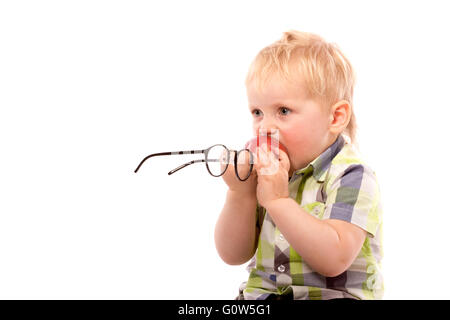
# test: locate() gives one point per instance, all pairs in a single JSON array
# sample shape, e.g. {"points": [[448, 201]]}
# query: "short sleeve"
{"points": [[353, 196]]}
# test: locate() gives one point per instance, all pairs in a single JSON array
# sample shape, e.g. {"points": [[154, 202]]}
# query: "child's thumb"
{"points": [[284, 160]]}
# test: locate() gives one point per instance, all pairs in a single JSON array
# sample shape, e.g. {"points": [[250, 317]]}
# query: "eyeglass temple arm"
{"points": [[185, 165], [167, 154]]}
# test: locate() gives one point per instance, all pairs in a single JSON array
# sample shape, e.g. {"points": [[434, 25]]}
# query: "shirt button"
{"points": [[281, 237], [281, 268]]}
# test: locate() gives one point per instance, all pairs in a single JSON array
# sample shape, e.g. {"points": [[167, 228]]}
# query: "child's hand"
{"points": [[247, 187], [273, 176]]}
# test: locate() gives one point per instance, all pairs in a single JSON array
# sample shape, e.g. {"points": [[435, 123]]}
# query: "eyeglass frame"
{"points": [[204, 151]]}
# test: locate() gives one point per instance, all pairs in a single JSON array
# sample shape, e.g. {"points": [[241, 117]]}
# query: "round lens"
{"points": [[244, 164], [217, 160]]}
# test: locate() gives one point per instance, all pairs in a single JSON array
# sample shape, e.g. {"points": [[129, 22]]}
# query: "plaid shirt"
{"points": [[336, 185]]}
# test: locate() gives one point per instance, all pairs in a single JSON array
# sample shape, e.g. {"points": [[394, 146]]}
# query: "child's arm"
{"points": [[236, 232], [328, 246]]}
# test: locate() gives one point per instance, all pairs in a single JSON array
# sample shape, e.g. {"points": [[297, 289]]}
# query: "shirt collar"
{"points": [[321, 164]]}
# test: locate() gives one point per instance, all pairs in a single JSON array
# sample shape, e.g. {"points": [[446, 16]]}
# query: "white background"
{"points": [[88, 88]]}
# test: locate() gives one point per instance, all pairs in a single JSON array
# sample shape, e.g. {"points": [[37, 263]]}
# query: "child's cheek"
{"points": [[295, 142], [292, 138]]}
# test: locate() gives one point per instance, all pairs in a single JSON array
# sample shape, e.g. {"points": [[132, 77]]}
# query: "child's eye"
{"points": [[284, 111], [256, 112]]}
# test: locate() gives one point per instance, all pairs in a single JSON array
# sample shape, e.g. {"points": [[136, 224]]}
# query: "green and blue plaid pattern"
{"points": [[336, 185]]}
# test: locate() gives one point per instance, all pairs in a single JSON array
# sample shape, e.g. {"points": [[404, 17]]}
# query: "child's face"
{"points": [[303, 124]]}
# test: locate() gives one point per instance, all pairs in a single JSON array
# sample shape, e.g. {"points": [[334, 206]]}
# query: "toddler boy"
{"points": [[312, 229]]}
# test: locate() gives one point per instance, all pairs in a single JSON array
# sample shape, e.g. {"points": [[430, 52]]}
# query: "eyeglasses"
{"points": [[217, 158]]}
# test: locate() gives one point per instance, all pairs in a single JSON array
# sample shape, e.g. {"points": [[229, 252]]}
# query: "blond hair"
{"points": [[327, 74]]}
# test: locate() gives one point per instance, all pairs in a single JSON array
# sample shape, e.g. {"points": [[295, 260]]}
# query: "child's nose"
{"points": [[268, 124]]}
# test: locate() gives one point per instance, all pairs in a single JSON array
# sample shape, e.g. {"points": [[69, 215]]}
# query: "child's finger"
{"points": [[272, 158], [284, 160], [263, 157], [256, 159], [261, 160]]}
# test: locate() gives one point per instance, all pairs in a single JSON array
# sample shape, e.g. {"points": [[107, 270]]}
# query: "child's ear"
{"points": [[340, 115]]}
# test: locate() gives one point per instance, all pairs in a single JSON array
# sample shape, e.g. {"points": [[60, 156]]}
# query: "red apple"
{"points": [[271, 142]]}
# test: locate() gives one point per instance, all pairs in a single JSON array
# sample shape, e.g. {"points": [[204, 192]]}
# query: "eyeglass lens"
{"points": [[217, 160], [218, 157], [244, 167]]}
